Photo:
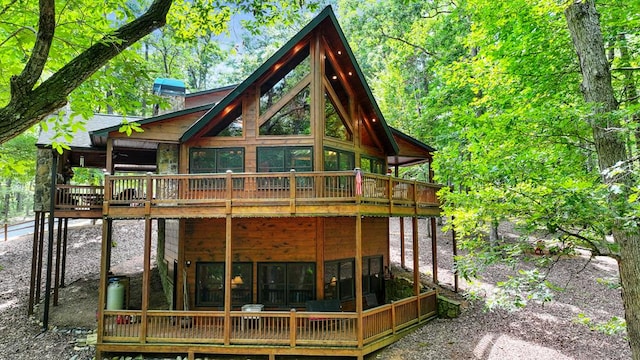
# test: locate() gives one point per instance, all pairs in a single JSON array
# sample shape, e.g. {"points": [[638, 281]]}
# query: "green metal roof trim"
{"points": [[327, 13], [413, 140], [106, 131]]}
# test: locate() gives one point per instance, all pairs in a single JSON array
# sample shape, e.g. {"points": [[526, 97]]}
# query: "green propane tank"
{"points": [[115, 295]]}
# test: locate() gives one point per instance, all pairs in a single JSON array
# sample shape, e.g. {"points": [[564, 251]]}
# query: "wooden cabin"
{"points": [[272, 200]]}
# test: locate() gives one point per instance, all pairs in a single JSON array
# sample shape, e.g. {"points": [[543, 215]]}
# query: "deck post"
{"points": [[292, 328], [358, 275], [320, 257], [43, 221], [56, 280], [416, 264], [402, 249], [455, 253], [434, 250], [52, 199], [146, 278], [292, 190], [65, 236], [104, 269], [227, 282], [34, 259]]}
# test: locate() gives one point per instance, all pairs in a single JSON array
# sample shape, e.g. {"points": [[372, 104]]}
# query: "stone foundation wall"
{"points": [[42, 191], [167, 161], [447, 308]]}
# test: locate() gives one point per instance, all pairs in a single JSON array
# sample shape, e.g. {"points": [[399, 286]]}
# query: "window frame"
{"points": [[339, 290], [219, 183], [240, 294], [373, 164], [287, 289]]}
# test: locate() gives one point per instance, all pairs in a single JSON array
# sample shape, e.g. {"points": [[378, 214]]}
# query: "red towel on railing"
{"points": [[358, 182]]}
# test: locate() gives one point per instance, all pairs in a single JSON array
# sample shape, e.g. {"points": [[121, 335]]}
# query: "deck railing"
{"points": [[278, 328], [299, 187], [79, 197]]}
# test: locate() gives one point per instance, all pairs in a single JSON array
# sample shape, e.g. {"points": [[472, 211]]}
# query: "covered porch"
{"points": [[357, 328]]}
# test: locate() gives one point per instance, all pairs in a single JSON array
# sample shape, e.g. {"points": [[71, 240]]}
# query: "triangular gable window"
{"points": [[294, 118], [334, 124], [285, 101], [231, 124], [234, 129], [337, 86]]}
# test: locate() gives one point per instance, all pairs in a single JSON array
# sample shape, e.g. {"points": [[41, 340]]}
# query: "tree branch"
{"points": [[29, 105], [21, 84], [7, 7], [626, 68]]}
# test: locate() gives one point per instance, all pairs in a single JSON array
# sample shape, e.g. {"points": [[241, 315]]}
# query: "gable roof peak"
{"points": [[325, 20]]}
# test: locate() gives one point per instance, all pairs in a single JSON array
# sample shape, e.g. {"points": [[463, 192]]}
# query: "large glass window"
{"points": [[210, 283], [294, 118], [216, 160], [286, 284], [336, 83], [285, 98], [282, 159], [339, 279], [338, 160], [372, 165], [284, 80], [372, 276], [334, 124]]}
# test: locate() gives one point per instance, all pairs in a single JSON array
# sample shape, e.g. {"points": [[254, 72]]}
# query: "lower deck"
{"points": [[193, 334]]}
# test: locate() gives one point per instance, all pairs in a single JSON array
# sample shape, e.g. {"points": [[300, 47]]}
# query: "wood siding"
{"points": [[165, 131], [281, 240]]}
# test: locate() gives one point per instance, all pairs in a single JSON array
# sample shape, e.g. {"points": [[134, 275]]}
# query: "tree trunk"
{"points": [[494, 236], [584, 26]]}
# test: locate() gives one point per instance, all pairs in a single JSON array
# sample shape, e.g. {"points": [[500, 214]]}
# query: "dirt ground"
{"points": [[550, 331]]}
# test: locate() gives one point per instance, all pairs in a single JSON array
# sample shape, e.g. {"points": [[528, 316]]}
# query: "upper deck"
{"points": [[345, 193]]}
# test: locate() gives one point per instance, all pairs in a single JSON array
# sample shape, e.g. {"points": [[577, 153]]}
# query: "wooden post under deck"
{"points": [[416, 256], [34, 259], [52, 199], [104, 269], [319, 257], [227, 282], [434, 250], [455, 253], [40, 256], [65, 236], [56, 280], [402, 254], [416, 262], [146, 278], [359, 307]]}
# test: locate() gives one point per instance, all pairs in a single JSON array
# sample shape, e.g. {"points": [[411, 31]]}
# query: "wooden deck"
{"points": [[251, 194], [197, 333]]}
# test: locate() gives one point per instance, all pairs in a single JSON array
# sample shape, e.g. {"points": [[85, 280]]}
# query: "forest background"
{"points": [[495, 86]]}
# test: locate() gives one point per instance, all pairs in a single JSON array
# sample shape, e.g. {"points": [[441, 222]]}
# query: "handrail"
{"points": [[283, 328], [289, 187]]}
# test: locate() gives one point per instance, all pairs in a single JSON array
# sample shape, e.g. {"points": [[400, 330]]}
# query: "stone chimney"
{"points": [[171, 89]]}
